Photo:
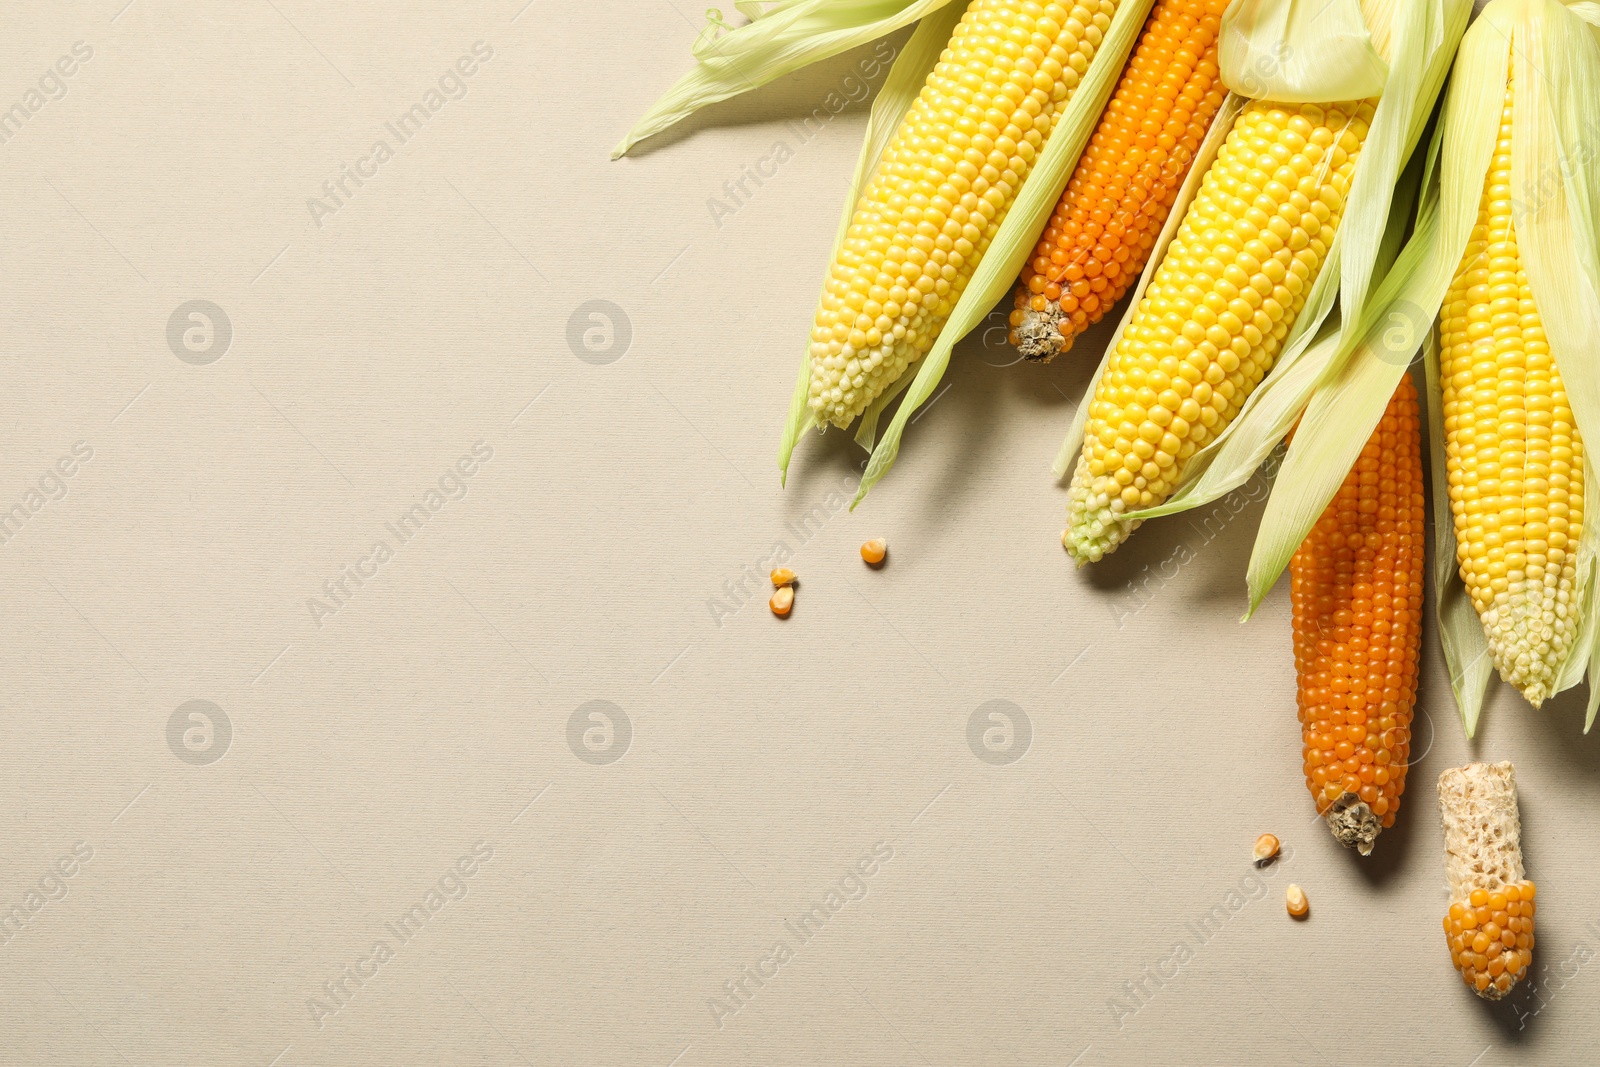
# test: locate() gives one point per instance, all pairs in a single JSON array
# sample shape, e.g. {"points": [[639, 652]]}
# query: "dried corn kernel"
{"points": [[874, 550], [1266, 849], [782, 576], [782, 600], [1295, 899]]}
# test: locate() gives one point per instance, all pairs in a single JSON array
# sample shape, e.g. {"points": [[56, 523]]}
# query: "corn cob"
{"points": [[1217, 311], [941, 191], [1490, 922], [1107, 220], [1514, 457], [1357, 596]]}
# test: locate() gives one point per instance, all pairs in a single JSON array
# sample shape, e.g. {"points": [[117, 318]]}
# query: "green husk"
{"points": [[1299, 51], [1423, 34], [781, 38], [997, 272], [899, 92]]}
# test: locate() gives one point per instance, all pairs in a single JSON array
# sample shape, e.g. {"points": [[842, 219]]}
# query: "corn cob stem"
{"points": [[1514, 457], [1217, 311], [941, 191], [1490, 922], [1357, 597], [1117, 200]]}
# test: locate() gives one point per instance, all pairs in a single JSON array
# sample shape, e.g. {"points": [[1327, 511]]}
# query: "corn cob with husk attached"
{"points": [[941, 191], [1216, 312], [1107, 221], [1489, 926], [1357, 598], [1514, 455]]}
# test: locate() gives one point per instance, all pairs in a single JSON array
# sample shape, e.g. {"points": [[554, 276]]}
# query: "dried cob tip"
{"points": [[1490, 923], [941, 191], [1353, 823]]}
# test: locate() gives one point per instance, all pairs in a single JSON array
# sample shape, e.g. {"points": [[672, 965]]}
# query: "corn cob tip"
{"points": [[1353, 823], [1038, 335], [1094, 527]]}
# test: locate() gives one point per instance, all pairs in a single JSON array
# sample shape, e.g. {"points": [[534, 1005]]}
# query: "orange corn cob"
{"points": [[1103, 228], [1357, 594]]}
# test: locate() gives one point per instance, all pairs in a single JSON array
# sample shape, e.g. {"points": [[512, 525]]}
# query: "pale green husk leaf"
{"points": [[997, 272], [1466, 650], [1423, 35], [900, 90], [1299, 51], [781, 38]]}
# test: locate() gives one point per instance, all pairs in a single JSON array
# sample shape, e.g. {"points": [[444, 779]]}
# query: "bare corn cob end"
{"points": [[941, 191], [1490, 922], [1514, 457], [1357, 596], [1100, 235], [1215, 315]]}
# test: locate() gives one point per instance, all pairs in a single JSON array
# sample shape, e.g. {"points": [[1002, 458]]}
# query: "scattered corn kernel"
{"points": [[1295, 899], [782, 600], [1266, 849], [782, 576], [874, 550]]}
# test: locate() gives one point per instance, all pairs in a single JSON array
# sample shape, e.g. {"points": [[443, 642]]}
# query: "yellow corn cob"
{"points": [[942, 189], [1514, 457], [1216, 313]]}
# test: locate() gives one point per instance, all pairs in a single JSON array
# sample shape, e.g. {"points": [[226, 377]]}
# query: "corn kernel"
{"points": [[874, 550], [782, 600], [1295, 899], [782, 576], [1266, 849]]}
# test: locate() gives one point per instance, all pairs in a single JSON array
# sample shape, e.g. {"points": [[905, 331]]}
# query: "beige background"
{"points": [[428, 716]]}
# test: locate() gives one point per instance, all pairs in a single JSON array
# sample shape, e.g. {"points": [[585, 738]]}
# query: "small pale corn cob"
{"points": [[1217, 310], [1357, 596], [1514, 457], [1490, 922], [1117, 200], [941, 191]]}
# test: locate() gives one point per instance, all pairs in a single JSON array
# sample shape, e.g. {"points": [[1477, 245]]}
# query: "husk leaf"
{"points": [[781, 38], [1299, 51]]}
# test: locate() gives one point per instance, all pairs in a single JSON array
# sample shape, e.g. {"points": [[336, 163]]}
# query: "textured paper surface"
{"points": [[439, 717]]}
